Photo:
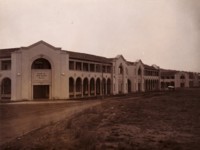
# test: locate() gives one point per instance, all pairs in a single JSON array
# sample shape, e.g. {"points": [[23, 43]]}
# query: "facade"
{"points": [[42, 71], [179, 79]]}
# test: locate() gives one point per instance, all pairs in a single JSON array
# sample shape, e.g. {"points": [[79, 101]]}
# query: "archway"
{"points": [[108, 86], [182, 82], [41, 78], [6, 88], [71, 87], [104, 86], [85, 87], [98, 86], [139, 72], [92, 85], [78, 87], [129, 86], [41, 63]]}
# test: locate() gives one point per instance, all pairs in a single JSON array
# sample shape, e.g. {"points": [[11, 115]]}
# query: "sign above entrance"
{"points": [[41, 76]]}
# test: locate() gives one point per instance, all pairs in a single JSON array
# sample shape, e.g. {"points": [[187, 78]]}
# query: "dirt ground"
{"points": [[163, 120], [20, 118]]}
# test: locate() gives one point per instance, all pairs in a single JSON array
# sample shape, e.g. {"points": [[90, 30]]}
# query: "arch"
{"points": [[108, 86], [182, 77], [71, 87], [85, 86], [129, 86], [78, 87], [139, 71], [92, 86], [43, 67], [41, 63], [98, 86], [121, 69], [6, 88], [104, 86]]}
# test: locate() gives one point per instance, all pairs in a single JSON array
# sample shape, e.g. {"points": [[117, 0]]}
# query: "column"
{"points": [[74, 90]]}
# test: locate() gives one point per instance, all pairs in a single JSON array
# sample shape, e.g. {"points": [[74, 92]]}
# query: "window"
{"points": [[71, 65], [120, 71], [92, 68], [104, 69], [78, 66], [182, 77], [139, 72], [191, 76], [6, 65], [6, 86], [98, 68], [85, 67], [108, 69]]}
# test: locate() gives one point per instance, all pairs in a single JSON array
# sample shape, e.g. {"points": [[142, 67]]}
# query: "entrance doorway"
{"points": [[41, 92]]}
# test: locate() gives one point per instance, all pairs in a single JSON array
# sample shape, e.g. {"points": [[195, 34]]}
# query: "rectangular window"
{"points": [[6, 65], [98, 68], [85, 67], [108, 69], [191, 76], [78, 66], [92, 68], [71, 65], [104, 69]]}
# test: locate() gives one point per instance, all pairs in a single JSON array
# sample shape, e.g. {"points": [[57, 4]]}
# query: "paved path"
{"points": [[17, 119]]}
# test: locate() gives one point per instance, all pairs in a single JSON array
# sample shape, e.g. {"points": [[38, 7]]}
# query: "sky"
{"points": [[161, 32]]}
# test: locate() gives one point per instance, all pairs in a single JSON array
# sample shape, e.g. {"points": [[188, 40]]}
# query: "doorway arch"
{"points": [[6, 88], [41, 78]]}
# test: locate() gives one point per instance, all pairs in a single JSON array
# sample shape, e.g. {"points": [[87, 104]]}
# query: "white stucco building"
{"points": [[42, 71]]}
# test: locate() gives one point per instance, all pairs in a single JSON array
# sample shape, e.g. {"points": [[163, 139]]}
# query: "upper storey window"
{"points": [[182, 77], [78, 66], [92, 67], [109, 69], [191, 76], [41, 63], [104, 69], [139, 72], [121, 69], [85, 67], [71, 65], [98, 68], [6, 65]]}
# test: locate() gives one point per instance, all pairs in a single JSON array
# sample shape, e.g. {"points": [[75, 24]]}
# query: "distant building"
{"points": [[178, 79], [42, 71]]}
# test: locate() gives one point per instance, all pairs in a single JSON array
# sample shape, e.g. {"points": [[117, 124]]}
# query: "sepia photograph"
{"points": [[100, 75]]}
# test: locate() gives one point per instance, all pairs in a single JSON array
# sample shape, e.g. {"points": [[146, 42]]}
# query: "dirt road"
{"points": [[17, 119]]}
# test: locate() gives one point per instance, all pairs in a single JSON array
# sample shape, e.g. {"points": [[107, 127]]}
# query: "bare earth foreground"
{"points": [[167, 120]]}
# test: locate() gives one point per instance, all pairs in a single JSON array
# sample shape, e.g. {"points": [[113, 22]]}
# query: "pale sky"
{"points": [[161, 32]]}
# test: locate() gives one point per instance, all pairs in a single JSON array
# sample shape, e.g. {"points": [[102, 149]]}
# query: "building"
{"points": [[178, 79], [42, 71]]}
